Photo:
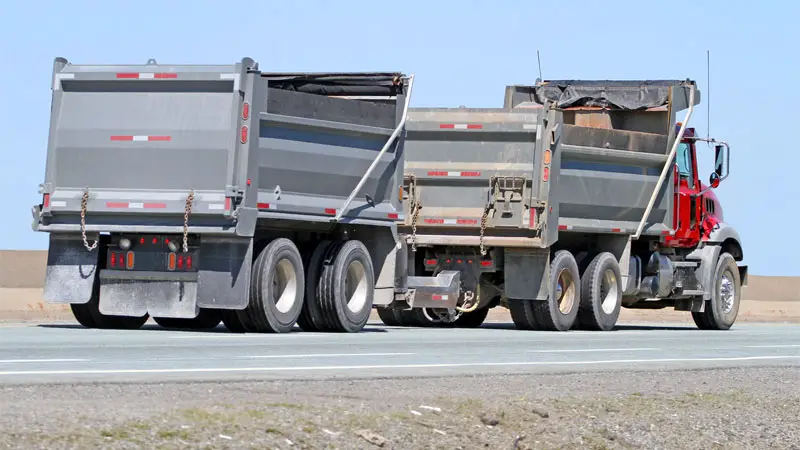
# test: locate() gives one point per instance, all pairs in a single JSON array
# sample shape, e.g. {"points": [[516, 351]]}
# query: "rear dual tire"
{"points": [[329, 288], [560, 311]]}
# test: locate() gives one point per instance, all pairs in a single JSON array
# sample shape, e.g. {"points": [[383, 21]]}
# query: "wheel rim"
{"points": [[565, 290], [609, 291], [726, 292], [355, 286], [284, 285]]}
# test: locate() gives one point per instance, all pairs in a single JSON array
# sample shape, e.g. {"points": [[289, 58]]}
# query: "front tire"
{"points": [[276, 288], [721, 311], [601, 293], [346, 287]]}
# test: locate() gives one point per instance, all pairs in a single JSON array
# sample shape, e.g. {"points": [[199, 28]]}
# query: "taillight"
{"points": [[188, 261], [244, 134], [546, 174], [141, 241], [246, 111], [486, 263], [121, 260], [180, 262], [113, 259]]}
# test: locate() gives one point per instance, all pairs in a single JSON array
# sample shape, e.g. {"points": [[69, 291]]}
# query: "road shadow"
{"points": [[220, 329], [510, 326]]}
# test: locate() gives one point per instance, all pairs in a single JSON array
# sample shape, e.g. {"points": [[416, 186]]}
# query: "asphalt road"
{"points": [[68, 353]]}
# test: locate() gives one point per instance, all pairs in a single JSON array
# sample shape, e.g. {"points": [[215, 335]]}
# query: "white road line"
{"points": [[589, 350], [387, 366], [774, 346], [326, 355], [21, 361]]}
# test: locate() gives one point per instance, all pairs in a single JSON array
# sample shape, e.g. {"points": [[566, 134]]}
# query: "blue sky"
{"points": [[463, 52]]}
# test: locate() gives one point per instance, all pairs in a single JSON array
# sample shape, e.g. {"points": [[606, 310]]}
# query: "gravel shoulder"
{"points": [[730, 408]]}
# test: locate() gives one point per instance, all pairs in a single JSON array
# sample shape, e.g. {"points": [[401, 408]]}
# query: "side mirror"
{"points": [[713, 180], [720, 160]]}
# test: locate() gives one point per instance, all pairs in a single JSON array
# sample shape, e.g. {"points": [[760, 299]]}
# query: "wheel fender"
{"points": [[724, 234], [708, 256]]}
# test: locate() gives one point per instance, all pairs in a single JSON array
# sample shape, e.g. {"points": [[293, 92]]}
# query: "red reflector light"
{"points": [[121, 260], [486, 263], [430, 262], [394, 216], [180, 262], [227, 203], [166, 75], [546, 174], [155, 241], [141, 241], [562, 227], [245, 111], [113, 259], [616, 230], [46, 201], [330, 210], [127, 75], [188, 261], [244, 134]]}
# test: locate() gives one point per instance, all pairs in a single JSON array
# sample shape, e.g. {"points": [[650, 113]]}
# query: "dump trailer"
{"points": [[575, 199], [195, 194]]}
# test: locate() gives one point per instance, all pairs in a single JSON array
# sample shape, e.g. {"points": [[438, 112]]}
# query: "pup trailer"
{"points": [[201, 194], [575, 199]]}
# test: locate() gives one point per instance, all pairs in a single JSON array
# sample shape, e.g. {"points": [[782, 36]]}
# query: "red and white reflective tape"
{"points": [[135, 205], [460, 126], [439, 297], [443, 221], [442, 173], [564, 227], [147, 75], [141, 138], [267, 206]]}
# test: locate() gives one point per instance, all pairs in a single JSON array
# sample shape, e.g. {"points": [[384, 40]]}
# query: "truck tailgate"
{"points": [[142, 137], [463, 162]]}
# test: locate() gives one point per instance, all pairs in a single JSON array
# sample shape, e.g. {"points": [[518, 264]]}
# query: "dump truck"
{"points": [[200, 194], [573, 200]]}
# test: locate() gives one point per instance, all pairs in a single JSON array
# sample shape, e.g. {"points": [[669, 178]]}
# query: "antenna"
{"points": [[708, 87], [540, 64]]}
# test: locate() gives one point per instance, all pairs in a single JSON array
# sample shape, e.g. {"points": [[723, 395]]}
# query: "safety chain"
{"points": [[484, 217], [186, 210], [416, 205], [84, 200]]}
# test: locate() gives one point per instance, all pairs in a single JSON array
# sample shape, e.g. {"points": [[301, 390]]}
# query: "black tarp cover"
{"points": [[630, 95]]}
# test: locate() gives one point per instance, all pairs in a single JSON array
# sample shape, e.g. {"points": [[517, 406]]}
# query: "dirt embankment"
{"points": [[766, 299]]}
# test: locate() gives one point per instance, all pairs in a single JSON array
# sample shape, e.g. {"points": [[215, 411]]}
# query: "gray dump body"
{"points": [[616, 138], [140, 138], [469, 166], [258, 151], [605, 161]]}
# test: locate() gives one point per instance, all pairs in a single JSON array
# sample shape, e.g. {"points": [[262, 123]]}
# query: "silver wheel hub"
{"points": [[284, 286], [727, 293]]}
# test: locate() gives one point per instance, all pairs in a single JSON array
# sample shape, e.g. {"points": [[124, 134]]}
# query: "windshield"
{"points": [[684, 161]]}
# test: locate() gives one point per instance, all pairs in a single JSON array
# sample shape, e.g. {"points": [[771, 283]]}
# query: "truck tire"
{"points": [[276, 288], [721, 311], [346, 287], [560, 311], [311, 318], [88, 315], [601, 294], [206, 319], [390, 317], [472, 319], [232, 321]]}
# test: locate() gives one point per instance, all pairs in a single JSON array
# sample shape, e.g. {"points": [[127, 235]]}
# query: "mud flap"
{"points": [[138, 293], [71, 270], [224, 273]]}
